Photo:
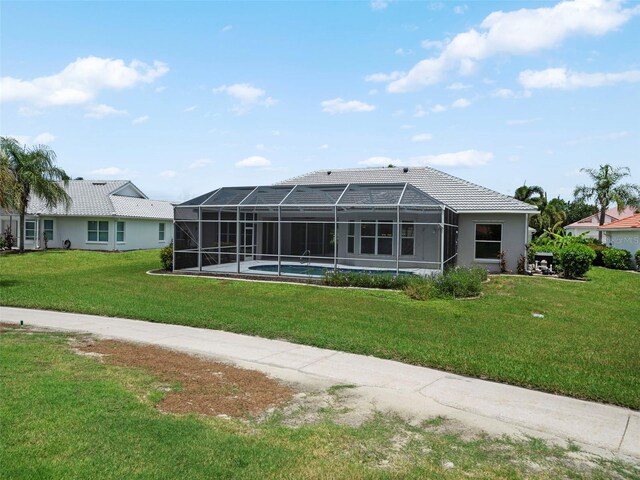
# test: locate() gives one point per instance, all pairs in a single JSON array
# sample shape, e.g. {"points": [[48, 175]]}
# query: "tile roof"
{"points": [[629, 222], [96, 198], [459, 194], [612, 214]]}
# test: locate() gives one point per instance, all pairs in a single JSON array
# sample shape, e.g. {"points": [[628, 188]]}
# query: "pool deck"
{"points": [[246, 268]]}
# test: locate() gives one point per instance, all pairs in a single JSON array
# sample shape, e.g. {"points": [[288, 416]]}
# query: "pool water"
{"points": [[317, 271]]}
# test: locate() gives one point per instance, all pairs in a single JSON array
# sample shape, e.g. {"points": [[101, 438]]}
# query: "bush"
{"points": [[637, 260], [460, 282], [421, 288], [598, 248], [166, 257], [616, 258], [366, 280], [3, 243], [546, 247], [576, 260]]}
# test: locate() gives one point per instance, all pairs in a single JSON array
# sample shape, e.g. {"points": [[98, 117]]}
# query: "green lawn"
{"points": [[587, 345], [64, 416]]}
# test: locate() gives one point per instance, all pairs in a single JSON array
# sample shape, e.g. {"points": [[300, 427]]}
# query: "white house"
{"points": [[624, 233], [103, 215], [590, 224], [415, 219]]}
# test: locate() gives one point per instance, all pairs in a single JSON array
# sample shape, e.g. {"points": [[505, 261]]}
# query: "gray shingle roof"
{"points": [[94, 198], [459, 194]]}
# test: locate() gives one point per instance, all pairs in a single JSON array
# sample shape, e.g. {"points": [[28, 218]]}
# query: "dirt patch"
{"points": [[201, 386]]}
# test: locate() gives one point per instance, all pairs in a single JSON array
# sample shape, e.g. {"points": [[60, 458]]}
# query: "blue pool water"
{"points": [[316, 271]]}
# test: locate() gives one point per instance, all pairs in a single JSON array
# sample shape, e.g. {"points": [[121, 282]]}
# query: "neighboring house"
{"points": [[103, 215], [624, 233], [395, 219], [590, 224]]}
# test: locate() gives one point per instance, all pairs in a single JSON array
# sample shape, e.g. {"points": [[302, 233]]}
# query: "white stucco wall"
{"points": [[626, 240], [514, 238], [139, 233]]}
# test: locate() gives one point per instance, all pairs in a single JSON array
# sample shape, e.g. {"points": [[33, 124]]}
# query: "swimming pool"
{"points": [[317, 271]]}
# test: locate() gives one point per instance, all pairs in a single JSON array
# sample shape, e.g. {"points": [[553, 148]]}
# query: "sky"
{"points": [[185, 97]]}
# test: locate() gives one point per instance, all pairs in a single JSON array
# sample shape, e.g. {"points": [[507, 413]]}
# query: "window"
{"points": [[48, 229], [351, 236], [97, 231], [161, 232], [376, 238], [408, 236], [488, 241], [29, 230], [120, 232]]}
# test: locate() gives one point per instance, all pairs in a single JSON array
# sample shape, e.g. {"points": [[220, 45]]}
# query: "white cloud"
{"points": [[420, 112], [383, 77], [260, 146], [160, 89], [29, 112], [466, 158], [461, 103], [108, 172], [44, 138], [437, 44], [253, 162], [324, 146], [402, 52], [200, 163], [102, 110], [458, 86], [460, 9], [561, 78], [246, 95], [422, 137], [142, 119], [379, 4], [373, 91], [518, 32], [191, 108], [504, 93], [226, 28], [168, 173], [338, 105], [438, 108], [80, 81], [379, 162]]}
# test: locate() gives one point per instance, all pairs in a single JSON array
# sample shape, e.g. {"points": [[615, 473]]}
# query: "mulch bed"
{"points": [[206, 387]]}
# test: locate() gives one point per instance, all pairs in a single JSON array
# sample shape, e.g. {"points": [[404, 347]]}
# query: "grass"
{"points": [[586, 345], [69, 416]]}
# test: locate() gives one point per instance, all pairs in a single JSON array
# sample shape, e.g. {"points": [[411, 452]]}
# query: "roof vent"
{"points": [[99, 183], [405, 169], [329, 172]]}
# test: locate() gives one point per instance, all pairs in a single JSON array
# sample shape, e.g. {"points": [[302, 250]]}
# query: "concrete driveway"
{"points": [[493, 407]]}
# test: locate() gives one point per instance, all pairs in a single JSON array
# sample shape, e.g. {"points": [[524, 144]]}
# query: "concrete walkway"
{"points": [[493, 407]]}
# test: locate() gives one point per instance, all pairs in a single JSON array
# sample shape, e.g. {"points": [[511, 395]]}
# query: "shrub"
{"points": [[460, 282], [421, 288], [166, 257], [8, 238], [522, 262], [598, 248], [576, 260], [366, 280], [616, 258], [3, 243], [546, 247], [638, 260]]}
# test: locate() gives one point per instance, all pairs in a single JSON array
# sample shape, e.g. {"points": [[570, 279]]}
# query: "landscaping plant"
{"points": [[617, 258], [576, 260], [166, 257]]}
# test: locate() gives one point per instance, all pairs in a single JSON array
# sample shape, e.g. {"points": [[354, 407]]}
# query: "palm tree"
{"points": [[551, 217], [33, 171], [7, 183], [533, 194], [606, 190]]}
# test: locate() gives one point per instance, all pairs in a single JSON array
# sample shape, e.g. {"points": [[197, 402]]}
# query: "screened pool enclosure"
{"points": [[308, 229]]}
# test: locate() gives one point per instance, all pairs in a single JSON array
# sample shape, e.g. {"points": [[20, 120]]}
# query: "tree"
{"points": [[533, 194], [606, 189], [7, 183], [551, 216], [33, 171]]}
